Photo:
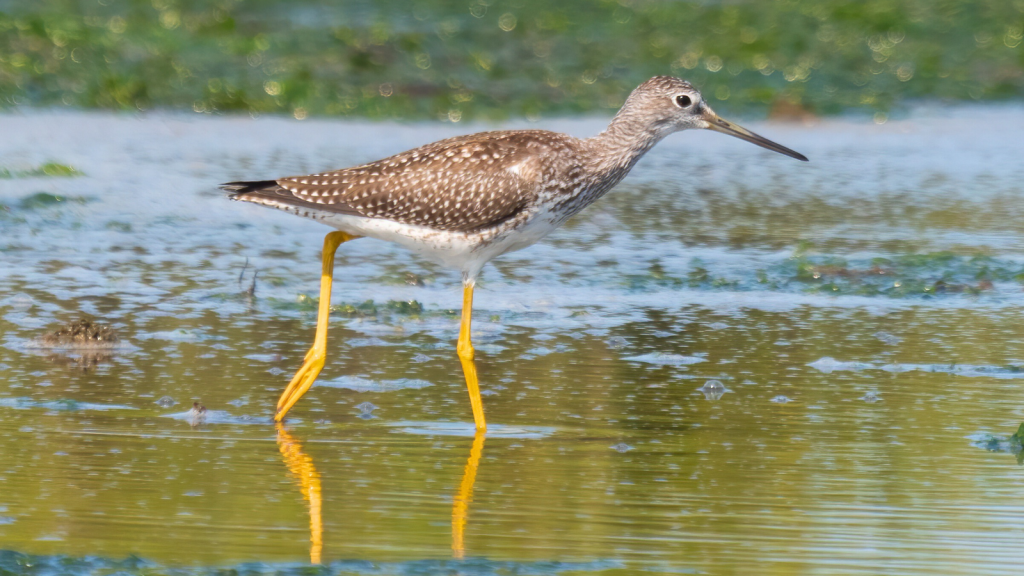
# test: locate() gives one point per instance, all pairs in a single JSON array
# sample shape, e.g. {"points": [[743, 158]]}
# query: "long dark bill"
{"points": [[725, 127]]}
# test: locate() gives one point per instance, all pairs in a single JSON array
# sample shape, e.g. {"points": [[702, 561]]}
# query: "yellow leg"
{"points": [[460, 506], [314, 361], [301, 467], [466, 354]]}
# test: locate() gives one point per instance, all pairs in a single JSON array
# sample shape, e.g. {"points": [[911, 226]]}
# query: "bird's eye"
{"points": [[683, 101]]}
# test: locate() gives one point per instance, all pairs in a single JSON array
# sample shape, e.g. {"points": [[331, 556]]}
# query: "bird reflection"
{"points": [[460, 504], [301, 467]]}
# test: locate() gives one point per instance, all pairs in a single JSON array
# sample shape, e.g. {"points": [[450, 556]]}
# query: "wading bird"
{"points": [[466, 200]]}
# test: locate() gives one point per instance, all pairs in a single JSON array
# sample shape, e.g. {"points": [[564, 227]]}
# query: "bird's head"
{"points": [[670, 105]]}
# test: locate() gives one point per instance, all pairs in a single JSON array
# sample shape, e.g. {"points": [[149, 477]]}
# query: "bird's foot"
{"points": [[300, 383]]}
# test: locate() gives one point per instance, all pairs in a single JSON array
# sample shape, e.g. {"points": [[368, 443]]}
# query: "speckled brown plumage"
{"points": [[467, 199], [459, 184]]}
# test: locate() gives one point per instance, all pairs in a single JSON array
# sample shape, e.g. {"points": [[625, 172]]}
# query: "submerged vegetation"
{"points": [[366, 309], [50, 169], [909, 275], [495, 58], [925, 275], [40, 201], [1013, 444], [13, 562]]}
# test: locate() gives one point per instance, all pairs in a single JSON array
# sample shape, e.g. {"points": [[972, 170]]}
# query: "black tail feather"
{"points": [[270, 193], [245, 187]]}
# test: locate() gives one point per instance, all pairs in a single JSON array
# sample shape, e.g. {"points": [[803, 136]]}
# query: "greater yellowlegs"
{"points": [[465, 200]]}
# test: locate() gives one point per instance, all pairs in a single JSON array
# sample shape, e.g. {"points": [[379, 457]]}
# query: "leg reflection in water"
{"points": [[301, 467], [460, 505]]}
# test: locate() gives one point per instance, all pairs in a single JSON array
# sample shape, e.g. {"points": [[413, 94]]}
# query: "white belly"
{"points": [[465, 251]]}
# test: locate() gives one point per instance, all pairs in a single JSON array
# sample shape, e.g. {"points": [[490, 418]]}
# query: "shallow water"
{"points": [[861, 313]]}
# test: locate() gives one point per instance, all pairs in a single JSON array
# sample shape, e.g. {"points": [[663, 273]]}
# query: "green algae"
{"points": [[45, 200], [13, 562], [49, 169], [495, 59], [697, 277], [910, 275], [922, 275], [654, 277], [365, 309], [54, 169], [1013, 444], [119, 226]]}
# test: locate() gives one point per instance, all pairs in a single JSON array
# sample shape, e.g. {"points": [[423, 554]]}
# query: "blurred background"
{"points": [[497, 59]]}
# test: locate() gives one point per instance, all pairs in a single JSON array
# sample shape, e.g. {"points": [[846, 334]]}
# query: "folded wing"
{"points": [[461, 184]]}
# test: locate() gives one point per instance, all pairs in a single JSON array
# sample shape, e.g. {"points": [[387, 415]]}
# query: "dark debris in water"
{"points": [[20, 564], [197, 415], [82, 333]]}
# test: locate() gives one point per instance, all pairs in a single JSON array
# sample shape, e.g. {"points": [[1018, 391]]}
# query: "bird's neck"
{"points": [[610, 155]]}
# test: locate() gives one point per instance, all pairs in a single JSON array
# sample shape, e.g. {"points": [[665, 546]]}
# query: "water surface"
{"points": [[861, 314]]}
